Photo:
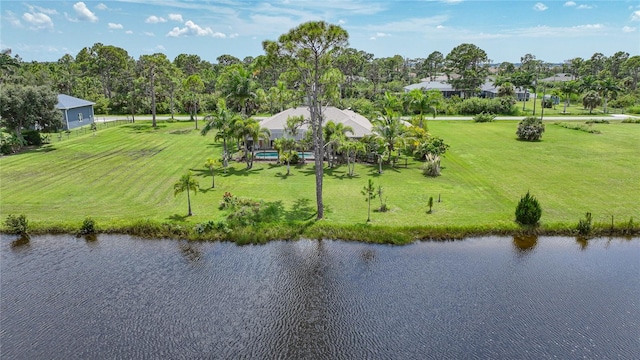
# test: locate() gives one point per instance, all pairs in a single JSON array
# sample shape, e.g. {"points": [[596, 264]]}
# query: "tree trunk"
{"points": [[225, 154], [153, 107], [189, 201], [318, 151], [213, 179]]}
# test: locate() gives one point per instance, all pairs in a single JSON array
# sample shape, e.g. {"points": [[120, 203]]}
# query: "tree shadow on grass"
{"points": [[177, 217], [140, 128], [301, 210], [231, 171]]}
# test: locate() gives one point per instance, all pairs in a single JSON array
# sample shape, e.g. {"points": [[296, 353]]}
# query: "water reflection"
{"points": [[582, 242], [525, 243], [190, 251], [21, 242]]}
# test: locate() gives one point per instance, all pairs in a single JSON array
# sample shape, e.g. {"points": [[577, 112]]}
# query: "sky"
{"points": [[553, 31]]}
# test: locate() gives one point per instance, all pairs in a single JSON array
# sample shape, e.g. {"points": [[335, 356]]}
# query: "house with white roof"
{"points": [[487, 89], [277, 123], [75, 112]]}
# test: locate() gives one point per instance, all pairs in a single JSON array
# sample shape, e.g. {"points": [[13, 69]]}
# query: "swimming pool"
{"points": [[273, 155]]}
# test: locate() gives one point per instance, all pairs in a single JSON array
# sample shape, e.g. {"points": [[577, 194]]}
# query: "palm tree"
{"points": [[419, 103], [591, 100], [223, 120], [588, 83], [238, 84], [352, 148], [607, 88], [186, 183], [212, 164], [568, 88], [334, 135], [390, 129], [255, 132]]}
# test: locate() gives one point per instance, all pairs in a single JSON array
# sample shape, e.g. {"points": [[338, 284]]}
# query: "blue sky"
{"points": [[553, 31]]}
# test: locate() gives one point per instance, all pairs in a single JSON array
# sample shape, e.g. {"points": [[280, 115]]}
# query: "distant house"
{"points": [[560, 77], [276, 124], [75, 112], [487, 89]]}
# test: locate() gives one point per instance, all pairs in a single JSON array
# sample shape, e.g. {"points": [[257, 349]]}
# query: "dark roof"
{"points": [[69, 102]]}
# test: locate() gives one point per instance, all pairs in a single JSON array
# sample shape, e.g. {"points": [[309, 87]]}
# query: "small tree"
{"points": [[530, 129], [528, 211], [379, 192], [211, 164], [17, 225], [430, 203], [591, 100], [186, 183], [370, 192]]}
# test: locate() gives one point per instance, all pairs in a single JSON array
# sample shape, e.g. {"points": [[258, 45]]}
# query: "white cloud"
{"points": [[584, 7], [84, 13], [192, 28], [128, 32], [452, 1], [540, 7], [234, 35], [628, 29], [101, 6], [155, 19], [160, 48], [570, 3], [635, 16], [175, 17], [149, 33], [38, 21], [34, 9], [13, 19], [115, 26]]}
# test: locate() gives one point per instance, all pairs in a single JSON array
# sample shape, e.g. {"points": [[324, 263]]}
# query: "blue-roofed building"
{"points": [[75, 112]]}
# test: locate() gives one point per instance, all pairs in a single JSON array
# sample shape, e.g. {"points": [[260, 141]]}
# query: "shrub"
{"points": [[631, 121], [474, 106], [580, 127], [17, 225], [432, 165], [88, 226], [484, 117], [32, 137], [530, 129], [584, 225], [547, 103], [528, 211], [210, 226], [433, 145]]}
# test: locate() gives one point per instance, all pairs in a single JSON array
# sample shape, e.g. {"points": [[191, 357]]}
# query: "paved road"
{"points": [[105, 118]]}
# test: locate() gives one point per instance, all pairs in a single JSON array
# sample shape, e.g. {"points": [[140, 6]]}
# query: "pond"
{"points": [[493, 297]]}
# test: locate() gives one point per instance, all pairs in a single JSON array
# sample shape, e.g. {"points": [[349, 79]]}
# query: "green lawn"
{"points": [[127, 172]]}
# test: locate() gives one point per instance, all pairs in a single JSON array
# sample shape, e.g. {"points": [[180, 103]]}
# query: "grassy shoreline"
{"points": [[378, 234]]}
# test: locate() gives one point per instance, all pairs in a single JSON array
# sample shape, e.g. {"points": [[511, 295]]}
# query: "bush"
{"points": [[32, 137], [484, 117], [88, 226], [633, 109], [528, 211], [631, 121], [474, 106], [530, 129], [584, 225], [17, 225], [432, 165], [209, 226]]}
